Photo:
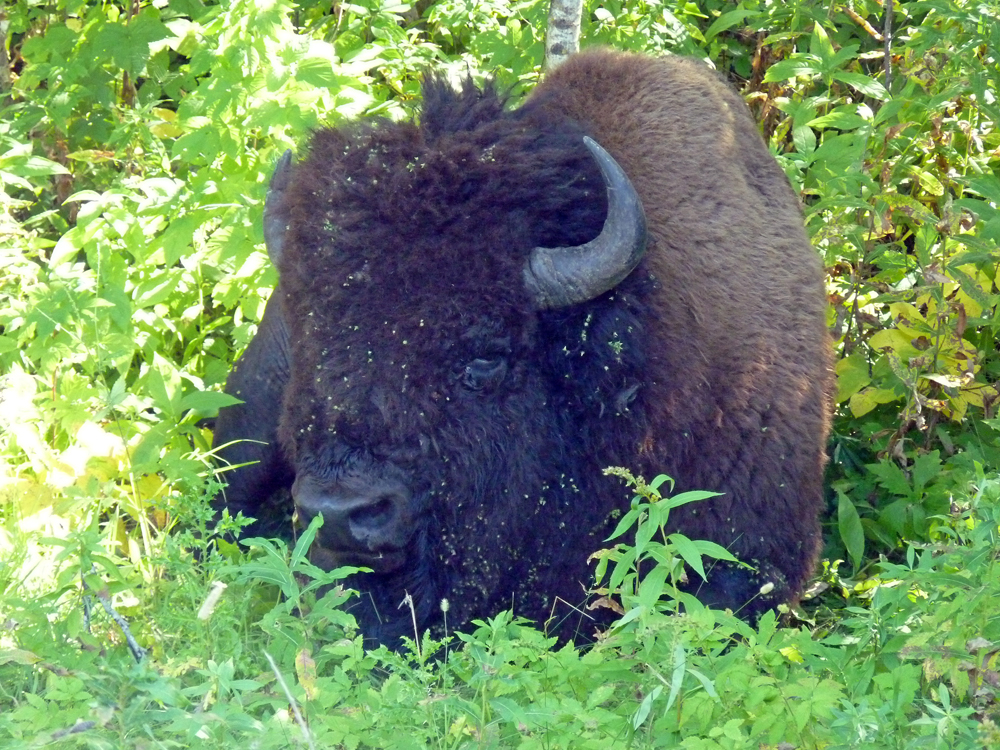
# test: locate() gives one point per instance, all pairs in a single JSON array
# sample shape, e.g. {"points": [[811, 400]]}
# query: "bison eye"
{"points": [[484, 374]]}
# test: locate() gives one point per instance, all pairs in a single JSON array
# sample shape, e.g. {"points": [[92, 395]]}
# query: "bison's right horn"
{"points": [[563, 276], [275, 211]]}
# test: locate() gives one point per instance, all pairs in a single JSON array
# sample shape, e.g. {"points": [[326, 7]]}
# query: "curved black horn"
{"points": [[563, 276], [275, 212]]}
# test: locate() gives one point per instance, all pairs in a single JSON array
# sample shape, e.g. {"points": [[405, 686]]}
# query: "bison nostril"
{"points": [[373, 517]]}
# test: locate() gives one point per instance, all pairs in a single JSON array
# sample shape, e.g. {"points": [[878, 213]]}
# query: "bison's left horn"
{"points": [[563, 276]]}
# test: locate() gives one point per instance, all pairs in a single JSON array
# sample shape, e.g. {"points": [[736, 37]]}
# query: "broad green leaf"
{"points": [[711, 549], [928, 182], [207, 402], [795, 66], [844, 55], [18, 656], [651, 587], [895, 340], [634, 613], [34, 166], [728, 20], [622, 569], [677, 673], [864, 84], [157, 288], [642, 713], [867, 399], [305, 541], [688, 550], [804, 139], [820, 45], [840, 120], [659, 479], [643, 534], [146, 456], [851, 531], [683, 498], [164, 383], [626, 523]]}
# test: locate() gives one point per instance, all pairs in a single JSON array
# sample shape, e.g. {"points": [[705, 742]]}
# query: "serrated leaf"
{"points": [[925, 467], [909, 206], [988, 186], [971, 287], [793, 654], [852, 376], [510, 711], [129, 42], [891, 477]]}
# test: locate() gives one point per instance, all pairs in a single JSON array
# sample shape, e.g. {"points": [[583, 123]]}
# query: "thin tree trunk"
{"points": [[563, 37], [4, 60], [887, 9]]}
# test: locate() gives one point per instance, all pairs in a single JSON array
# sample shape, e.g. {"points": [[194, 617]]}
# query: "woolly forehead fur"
{"points": [[407, 242]]}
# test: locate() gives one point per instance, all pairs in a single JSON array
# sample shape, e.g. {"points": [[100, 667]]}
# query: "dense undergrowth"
{"points": [[135, 144]]}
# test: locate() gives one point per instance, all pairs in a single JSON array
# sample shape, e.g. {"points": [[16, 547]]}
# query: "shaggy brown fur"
{"points": [[420, 367], [741, 367]]}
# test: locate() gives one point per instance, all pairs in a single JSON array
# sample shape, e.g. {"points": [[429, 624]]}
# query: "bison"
{"points": [[480, 310]]}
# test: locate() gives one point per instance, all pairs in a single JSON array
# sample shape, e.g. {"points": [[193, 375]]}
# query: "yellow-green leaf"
{"points": [[852, 376], [866, 400]]}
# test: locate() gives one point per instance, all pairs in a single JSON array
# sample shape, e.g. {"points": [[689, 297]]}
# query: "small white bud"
{"points": [[211, 600], [767, 588], [445, 605]]}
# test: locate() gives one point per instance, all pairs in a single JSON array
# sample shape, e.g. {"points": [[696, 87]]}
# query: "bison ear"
{"points": [[275, 210]]}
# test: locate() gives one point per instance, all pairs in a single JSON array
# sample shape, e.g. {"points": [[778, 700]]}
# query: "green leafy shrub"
{"points": [[135, 145]]}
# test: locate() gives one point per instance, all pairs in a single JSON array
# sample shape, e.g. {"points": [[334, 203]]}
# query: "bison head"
{"points": [[420, 269]]}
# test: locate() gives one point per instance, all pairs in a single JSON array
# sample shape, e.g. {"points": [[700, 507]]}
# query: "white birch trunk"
{"points": [[563, 36]]}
